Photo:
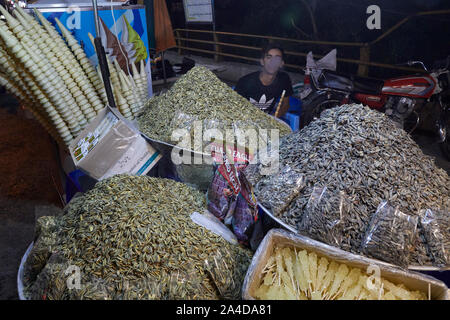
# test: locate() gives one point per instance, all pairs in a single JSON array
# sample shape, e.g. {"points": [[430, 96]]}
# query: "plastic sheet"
{"points": [[277, 192], [210, 222], [20, 273], [436, 229], [390, 235], [436, 289], [324, 216]]}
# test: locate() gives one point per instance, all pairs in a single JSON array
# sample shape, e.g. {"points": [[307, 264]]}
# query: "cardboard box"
{"points": [[412, 280], [110, 145]]}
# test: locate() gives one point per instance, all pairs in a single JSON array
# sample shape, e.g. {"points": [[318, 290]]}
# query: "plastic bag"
{"points": [[278, 191], [420, 255], [324, 216], [227, 272], [223, 191], [436, 228], [213, 224], [231, 199], [390, 235], [45, 240], [246, 212], [183, 120]]}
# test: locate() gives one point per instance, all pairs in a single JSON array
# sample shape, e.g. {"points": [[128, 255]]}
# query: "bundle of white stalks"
{"points": [[130, 91], [53, 77]]}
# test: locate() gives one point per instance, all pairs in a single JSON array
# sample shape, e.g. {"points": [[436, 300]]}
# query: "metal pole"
{"points": [[97, 28], [213, 16], [164, 69], [102, 62]]}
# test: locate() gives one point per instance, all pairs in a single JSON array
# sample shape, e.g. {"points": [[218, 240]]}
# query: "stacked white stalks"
{"points": [[130, 91], [54, 79]]}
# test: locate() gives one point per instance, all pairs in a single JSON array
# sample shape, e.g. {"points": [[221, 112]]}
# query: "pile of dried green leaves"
{"points": [[200, 96]]}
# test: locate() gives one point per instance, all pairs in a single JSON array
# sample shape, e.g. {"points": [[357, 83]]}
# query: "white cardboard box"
{"points": [[110, 145]]}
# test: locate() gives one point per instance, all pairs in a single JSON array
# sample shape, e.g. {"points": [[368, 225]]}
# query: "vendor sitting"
{"points": [[264, 87]]}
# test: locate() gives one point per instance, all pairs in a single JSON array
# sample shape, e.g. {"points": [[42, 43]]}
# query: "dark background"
{"points": [[425, 38]]}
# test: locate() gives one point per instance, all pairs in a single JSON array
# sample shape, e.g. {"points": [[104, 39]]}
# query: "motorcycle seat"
{"points": [[338, 81], [367, 85], [334, 80]]}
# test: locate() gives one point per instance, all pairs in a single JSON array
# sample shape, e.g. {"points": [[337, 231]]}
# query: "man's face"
{"points": [[272, 61]]}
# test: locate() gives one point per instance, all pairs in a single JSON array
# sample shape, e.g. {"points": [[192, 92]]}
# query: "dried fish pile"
{"points": [[200, 96], [53, 77], [359, 151], [132, 238]]}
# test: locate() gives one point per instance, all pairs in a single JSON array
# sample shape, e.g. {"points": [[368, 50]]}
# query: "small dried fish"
{"points": [[361, 152], [390, 235]]}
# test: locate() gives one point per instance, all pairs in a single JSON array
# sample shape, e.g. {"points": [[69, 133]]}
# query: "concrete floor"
{"points": [[17, 224]]}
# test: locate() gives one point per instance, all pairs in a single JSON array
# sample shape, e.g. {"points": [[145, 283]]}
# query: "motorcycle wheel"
{"points": [[314, 107]]}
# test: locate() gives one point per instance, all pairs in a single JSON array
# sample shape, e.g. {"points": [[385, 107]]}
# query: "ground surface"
{"points": [[28, 169], [29, 177]]}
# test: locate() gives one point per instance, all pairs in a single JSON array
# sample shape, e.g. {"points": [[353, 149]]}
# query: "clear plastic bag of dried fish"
{"points": [[134, 236], [183, 120], [325, 215], [390, 235], [436, 227], [278, 191], [216, 134], [219, 268], [45, 239]]}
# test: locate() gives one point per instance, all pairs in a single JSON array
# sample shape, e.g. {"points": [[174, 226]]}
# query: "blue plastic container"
{"points": [[73, 184], [292, 117]]}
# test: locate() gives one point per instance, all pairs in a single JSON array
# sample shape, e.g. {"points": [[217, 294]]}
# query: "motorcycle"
{"points": [[403, 99]]}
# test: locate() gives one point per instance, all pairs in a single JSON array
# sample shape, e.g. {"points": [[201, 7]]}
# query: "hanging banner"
{"points": [[129, 26], [123, 31], [199, 11]]}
